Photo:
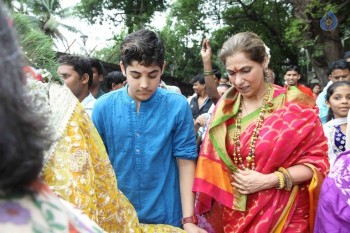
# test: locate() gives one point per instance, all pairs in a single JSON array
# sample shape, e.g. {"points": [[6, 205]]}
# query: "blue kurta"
{"points": [[143, 147]]}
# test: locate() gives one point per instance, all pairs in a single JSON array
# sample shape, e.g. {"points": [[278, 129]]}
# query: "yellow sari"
{"points": [[77, 168]]}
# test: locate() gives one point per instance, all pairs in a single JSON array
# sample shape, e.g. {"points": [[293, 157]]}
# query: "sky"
{"points": [[99, 36]]}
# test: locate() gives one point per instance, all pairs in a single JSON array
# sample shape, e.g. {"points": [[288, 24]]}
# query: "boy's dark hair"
{"points": [[225, 85], [115, 77], [143, 46], [225, 77], [217, 73], [293, 68], [80, 64], [97, 64], [346, 55], [198, 78], [330, 91], [23, 139], [340, 64]]}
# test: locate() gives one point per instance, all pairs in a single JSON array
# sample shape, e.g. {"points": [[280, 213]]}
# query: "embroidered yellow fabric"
{"points": [[78, 170]]}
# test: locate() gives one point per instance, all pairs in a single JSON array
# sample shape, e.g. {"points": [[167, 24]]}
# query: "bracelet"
{"points": [[281, 183], [287, 178], [192, 219], [208, 73]]}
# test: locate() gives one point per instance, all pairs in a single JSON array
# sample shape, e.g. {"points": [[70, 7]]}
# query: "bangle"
{"points": [[287, 178], [208, 73], [192, 219], [281, 183]]}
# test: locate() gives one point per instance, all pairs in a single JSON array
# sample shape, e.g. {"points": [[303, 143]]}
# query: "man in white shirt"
{"points": [[77, 75]]}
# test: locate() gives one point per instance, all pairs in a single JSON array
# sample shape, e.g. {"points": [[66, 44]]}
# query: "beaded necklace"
{"points": [[250, 159]]}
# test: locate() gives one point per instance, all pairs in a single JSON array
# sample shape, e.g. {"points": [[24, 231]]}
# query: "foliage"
{"points": [[48, 14], [37, 47], [112, 54], [134, 14]]}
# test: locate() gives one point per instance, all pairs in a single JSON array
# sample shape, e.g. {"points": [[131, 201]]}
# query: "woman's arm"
{"points": [[251, 181], [210, 85]]}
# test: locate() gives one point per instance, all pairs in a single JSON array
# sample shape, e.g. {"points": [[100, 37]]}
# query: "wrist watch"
{"points": [[193, 219]]}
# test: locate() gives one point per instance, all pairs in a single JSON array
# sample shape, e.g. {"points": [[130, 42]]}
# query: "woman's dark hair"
{"points": [[22, 138], [330, 91]]}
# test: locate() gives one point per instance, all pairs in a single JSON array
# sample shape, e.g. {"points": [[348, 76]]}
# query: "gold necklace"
{"points": [[250, 159]]}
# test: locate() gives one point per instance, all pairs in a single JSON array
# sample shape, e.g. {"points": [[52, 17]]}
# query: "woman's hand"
{"points": [[250, 181], [206, 51], [193, 228]]}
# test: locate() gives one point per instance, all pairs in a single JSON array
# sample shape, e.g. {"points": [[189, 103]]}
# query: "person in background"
{"points": [[260, 166], [224, 80], [169, 87], [316, 89], [77, 74], [26, 203], [148, 133], [202, 121], [339, 70], [97, 78], [201, 102], [217, 76], [347, 56], [270, 76], [333, 211], [338, 102], [292, 77], [114, 81]]}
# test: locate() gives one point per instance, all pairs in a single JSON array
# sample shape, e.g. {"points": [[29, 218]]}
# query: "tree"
{"points": [[134, 14], [305, 32], [182, 37], [37, 47], [47, 14]]}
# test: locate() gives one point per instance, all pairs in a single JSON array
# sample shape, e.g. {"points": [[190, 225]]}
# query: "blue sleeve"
{"points": [[185, 146], [98, 118], [323, 109]]}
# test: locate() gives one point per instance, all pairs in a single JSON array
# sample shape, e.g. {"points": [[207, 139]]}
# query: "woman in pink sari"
{"points": [[264, 156]]}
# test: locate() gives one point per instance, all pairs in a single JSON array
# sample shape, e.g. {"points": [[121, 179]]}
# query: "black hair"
{"points": [[80, 64], [347, 55], [293, 68], [115, 77], [224, 85], [198, 78], [97, 64], [143, 46], [225, 77], [217, 73], [330, 91], [22, 139], [340, 64]]}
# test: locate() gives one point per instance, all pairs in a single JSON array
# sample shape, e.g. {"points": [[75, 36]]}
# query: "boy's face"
{"points": [[143, 80], [292, 77]]}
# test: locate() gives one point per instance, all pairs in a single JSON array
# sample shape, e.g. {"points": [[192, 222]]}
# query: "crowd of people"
{"points": [[125, 152]]}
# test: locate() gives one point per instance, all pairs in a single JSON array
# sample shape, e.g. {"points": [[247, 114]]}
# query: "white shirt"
{"points": [[88, 104]]}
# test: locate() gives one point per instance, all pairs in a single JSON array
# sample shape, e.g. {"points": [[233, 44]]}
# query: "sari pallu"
{"points": [[290, 134]]}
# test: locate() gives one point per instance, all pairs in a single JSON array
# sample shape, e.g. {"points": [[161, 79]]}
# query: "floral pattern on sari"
{"points": [[41, 211]]}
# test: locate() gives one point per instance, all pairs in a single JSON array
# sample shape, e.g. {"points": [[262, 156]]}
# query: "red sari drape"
{"points": [[291, 134]]}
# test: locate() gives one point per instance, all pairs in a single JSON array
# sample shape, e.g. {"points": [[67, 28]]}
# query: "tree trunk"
{"points": [[327, 46]]}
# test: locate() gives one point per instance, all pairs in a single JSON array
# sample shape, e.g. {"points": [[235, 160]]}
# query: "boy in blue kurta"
{"points": [[149, 136]]}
